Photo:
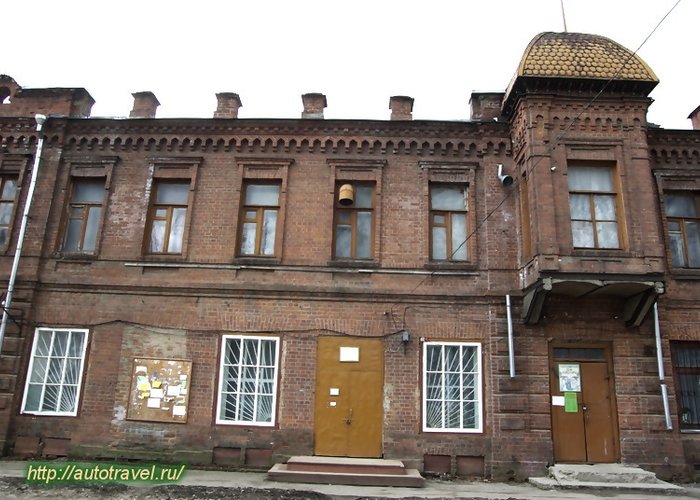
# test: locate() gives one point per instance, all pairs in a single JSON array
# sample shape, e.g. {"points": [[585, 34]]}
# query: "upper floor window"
{"points": [[8, 192], [55, 372], [168, 213], [452, 387], [448, 222], [354, 221], [593, 206], [683, 228], [84, 215], [259, 219]]}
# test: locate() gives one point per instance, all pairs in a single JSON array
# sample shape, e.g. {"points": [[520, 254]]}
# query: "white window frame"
{"points": [[220, 398], [31, 368], [478, 389]]}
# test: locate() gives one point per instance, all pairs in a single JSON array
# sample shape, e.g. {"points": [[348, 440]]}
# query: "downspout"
{"points": [[660, 363], [511, 349], [40, 119]]}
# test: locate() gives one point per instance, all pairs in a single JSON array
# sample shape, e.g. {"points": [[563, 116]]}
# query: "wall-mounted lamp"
{"points": [[505, 179], [405, 338]]}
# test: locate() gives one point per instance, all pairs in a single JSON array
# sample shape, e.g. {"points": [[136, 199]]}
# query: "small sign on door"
{"points": [[569, 377], [349, 354]]}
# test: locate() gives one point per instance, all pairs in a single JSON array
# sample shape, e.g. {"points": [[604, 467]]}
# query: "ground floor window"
{"points": [[248, 380], [452, 387], [55, 372], [686, 365]]}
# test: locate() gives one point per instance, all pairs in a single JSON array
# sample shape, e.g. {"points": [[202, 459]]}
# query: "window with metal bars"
{"points": [[248, 380], [452, 387], [686, 367], [55, 372]]}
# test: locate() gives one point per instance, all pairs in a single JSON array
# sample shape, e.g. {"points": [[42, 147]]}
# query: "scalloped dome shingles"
{"points": [[581, 55]]}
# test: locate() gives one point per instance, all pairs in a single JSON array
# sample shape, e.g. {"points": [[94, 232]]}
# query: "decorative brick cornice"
{"points": [[423, 138], [674, 146]]}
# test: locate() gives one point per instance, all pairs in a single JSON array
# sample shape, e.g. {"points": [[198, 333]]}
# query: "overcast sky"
{"points": [[358, 53]]}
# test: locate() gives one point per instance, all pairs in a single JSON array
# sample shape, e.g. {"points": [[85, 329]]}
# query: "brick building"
{"points": [[239, 291]]}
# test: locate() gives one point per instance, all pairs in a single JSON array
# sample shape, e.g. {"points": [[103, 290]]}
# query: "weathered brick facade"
{"points": [[138, 304]]}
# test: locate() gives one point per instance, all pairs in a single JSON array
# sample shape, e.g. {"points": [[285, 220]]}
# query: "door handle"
{"points": [[584, 407], [348, 420]]}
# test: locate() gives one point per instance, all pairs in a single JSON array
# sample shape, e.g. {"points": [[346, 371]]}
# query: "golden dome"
{"points": [[580, 55]]}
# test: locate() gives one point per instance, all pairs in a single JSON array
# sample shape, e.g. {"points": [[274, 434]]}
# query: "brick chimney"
{"points": [[227, 106], [401, 107], [313, 105], [145, 105], [486, 106], [695, 118]]}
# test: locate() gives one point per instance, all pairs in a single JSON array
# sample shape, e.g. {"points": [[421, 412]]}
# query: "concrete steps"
{"points": [[615, 477], [340, 470]]}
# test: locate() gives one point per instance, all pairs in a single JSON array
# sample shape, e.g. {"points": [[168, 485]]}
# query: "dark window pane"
{"points": [[363, 196], [448, 198], [262, 195], [9, 189], [579, 353], [157, 236], [86, 191], [73, 235], [439, 243], [583, 234], [90, 239], [459, 236], [680, 205], [342, 241], [590, 179], [171, 193], [607, 235], [579, 206], [364, 235], [6, 213], [693, 233], [677, 250], [268, 232], [248, 238], [177, 230]]}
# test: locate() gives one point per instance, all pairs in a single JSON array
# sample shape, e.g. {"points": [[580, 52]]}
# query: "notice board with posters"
{"points": [[159, 390]]}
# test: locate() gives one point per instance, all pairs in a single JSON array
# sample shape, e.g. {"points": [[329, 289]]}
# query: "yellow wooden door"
{"points": [[349, 387]]}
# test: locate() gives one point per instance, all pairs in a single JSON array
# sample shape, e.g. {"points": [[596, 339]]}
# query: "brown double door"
{"points": [[349, 387], [584, 415]]}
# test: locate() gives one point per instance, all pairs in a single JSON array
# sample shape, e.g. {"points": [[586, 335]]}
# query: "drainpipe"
{"points": [[511, 349], [40, 119], [660, 363]]}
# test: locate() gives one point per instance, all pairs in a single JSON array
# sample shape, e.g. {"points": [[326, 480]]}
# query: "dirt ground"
{"points": [[17, 488], [11, 488]]}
